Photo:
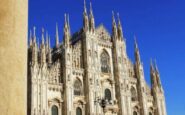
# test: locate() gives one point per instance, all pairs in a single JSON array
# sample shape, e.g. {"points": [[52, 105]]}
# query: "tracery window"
{"points": [[107, 94], [133, 94], [105, 62], [78, 111], [54, 110], [77, 87]]}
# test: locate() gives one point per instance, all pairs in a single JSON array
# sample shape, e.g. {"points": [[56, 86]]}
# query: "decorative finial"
{"points": [[137, 54], [91, 10], [113, 19], [47, 39], [49, 44], [151, 65], [65, 18], [31, 38], [156, 67], [49, 53], [57, 36], [91, 22], [114, 27], [68, 24], [30, 34], [34, 36], [85, 19], [34, 29], [85, 10], [56, 28], [68, 21], [42, 36], [38, 42], [47, 36], [113, 15], [119, 21], [135, 42], [120, 31]]}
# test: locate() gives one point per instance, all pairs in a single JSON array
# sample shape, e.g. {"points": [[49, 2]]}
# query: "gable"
{"points": [[102, 33]]}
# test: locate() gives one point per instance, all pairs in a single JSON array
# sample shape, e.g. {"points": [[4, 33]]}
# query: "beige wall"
{"points": [[13, 56]]}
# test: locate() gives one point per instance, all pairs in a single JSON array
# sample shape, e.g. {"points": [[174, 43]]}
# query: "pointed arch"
{"points": [[78, 111], [77, 87], [54, 110], [105, 62], [133, 94], [108, 94]]}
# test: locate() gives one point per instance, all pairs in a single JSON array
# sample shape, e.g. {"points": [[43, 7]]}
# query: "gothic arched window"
{"points": [[133, 94], [54, 110], [107, 94], [105, 62], [134, 113], [77, 87], [78, 111]]}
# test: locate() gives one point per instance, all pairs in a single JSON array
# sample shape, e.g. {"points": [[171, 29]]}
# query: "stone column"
{"points": [[13, 56]]}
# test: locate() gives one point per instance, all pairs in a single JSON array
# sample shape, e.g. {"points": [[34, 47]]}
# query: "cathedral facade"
{"points": [[89, 73]]}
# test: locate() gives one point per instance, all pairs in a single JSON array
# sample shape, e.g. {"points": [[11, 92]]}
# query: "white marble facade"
{"points": [[89, 66]]}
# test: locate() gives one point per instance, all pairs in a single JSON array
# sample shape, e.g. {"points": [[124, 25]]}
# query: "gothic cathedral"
{"points": [[89, 73]]}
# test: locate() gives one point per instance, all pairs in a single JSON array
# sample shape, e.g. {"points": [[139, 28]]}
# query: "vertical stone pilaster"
{"points": [[129, 110], [113, 91], [13, 56]]}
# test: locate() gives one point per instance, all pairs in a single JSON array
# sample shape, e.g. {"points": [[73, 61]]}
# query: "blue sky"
{"points": [[158, 24]]}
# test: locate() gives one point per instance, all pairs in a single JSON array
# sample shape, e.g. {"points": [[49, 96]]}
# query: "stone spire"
{"points": [[49, 44], [57, 37], [47, 47], [68, 24], [91, 21], [85, 19], [42, 36], [43, 52], [156, 67], [66, 32], [49, 52], [137, 54], [85, 9], [120, 31], [34, 50], [152, 75], [114, 27], [34, 34], [157, 75], [31, 40], [38, 42]]}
